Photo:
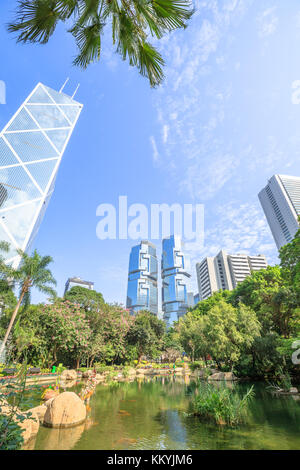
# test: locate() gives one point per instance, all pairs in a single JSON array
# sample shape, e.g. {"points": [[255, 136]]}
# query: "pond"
{"points": [[152, 413]]}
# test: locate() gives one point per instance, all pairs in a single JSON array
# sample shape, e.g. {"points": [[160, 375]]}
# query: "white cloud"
{"points": [[267, 22]]}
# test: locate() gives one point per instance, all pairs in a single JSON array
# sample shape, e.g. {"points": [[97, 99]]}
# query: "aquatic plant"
{"points": [[221, 405]]}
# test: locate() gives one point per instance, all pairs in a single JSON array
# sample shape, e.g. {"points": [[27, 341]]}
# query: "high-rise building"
{"points": [[142, 293], [280, 200], [31, 148], [175, 280], [77, 281], [224, 271]]}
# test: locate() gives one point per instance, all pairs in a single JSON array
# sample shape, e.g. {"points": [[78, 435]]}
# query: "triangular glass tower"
{"points": [[31, 147]]}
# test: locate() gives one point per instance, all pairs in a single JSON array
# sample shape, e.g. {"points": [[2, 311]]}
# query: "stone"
{"points": [[131, 371], [39, 411], [87, 373], [35, 422], [50, 394], [222, 376], [29, 425], [66, 410], [69, 375], [293, 390], [140, 371]]}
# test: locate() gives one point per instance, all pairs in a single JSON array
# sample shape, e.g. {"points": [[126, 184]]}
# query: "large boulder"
{"points": [[87, 373], [228, 376], [293, 390], [66, 410], [68, 375], [50, 393]]}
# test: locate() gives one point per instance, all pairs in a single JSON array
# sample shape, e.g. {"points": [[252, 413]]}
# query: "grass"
{"points": [[221, 405]]}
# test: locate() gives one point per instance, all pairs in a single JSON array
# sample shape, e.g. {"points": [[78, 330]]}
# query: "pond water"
{"points": [[151, 413]]}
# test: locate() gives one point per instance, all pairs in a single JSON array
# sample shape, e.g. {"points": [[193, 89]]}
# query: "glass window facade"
{"points": [[142, 291], [31, 148], [175, 280]]}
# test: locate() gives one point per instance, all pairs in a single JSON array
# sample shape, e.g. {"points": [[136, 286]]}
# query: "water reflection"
{"points": [[151, 413]]}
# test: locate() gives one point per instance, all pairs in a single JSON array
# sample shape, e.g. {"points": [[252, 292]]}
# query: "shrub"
{"points": [[197, 365], [221, 405]]}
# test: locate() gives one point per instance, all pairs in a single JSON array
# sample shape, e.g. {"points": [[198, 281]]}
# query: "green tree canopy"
{"points": [[86, 298], [131, 22], [146, 333]]}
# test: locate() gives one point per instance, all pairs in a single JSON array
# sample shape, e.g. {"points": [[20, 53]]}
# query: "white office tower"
{"points": [[280, 200], [31, 148], [224, 271]]}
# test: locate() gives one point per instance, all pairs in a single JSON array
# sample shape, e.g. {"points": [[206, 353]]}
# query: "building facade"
{"points": [[31, 148], [280, 201], [225, 271], [175, 280], [77, 281], [142, 291]]}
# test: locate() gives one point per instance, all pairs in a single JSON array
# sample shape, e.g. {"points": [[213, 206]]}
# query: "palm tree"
{"points": [[131, 21], [32, 272]]}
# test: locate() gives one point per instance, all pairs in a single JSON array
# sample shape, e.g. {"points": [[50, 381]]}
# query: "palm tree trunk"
{"points": [[11, 322]]}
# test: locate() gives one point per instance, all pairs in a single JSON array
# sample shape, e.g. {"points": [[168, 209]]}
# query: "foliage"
{"points": [[290, 263], [221, 405], [222, 333], [132, 22], [32, 272], [86, 298], [146, 333]]}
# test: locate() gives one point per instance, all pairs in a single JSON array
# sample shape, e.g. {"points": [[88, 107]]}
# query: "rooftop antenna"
{"points": [[64, 85], [76, 90]]}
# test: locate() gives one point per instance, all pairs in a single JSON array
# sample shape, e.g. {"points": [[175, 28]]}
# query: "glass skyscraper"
{"points": [[175, 280], [142, 291], [280, 200], [31, 147]]}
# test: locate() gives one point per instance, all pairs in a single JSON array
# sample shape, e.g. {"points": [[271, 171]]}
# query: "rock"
{"points": [[140, 371], [131, 371], [47, 403], [222, 376], [29, 425], [87, 373], [293, 390], [66, 410], [39, 411], [67, 383], [35, 422], [50, 394], [69, 375]]}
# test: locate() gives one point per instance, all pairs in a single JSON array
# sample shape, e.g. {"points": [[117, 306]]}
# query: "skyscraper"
{"points": [[224, 271], [142, 291], [280, 200], [175, 280], [31, 148]]}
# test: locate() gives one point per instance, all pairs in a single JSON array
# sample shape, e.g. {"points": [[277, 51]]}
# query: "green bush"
{"points": [[197, 365], [221, 405]]}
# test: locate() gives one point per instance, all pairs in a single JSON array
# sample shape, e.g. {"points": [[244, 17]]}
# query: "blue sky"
{"points": [[222, 123]]}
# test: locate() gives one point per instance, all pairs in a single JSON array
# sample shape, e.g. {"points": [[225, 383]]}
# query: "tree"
{"points": [[230, 330], [66, 330], [86, 298], [132, 22], [146, 333], [192, 335], [109, 326], [33, 272], [203, 307], [290, 263]]}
